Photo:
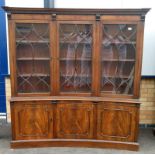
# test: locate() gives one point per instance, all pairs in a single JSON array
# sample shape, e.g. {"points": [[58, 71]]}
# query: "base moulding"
{"points": [[133, 146]]}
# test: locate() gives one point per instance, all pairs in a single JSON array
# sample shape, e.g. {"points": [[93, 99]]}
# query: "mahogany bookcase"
{"points": [[75, 76]]}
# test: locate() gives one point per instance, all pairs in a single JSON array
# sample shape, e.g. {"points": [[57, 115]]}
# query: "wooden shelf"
{"points": [[77, 59], [82, 75], [123, 42], [84, 42], [73, 59], [108, 76], [116, 76], [32, 41], [75, 42], [44, 59], [123, 60], [32, 75]]}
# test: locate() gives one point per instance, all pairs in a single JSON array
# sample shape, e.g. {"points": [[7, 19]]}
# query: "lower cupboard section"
{"points": [[40, 120]]}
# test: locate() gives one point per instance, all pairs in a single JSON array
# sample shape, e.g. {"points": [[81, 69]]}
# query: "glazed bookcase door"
{"points": [[118, 57], [32, 54], [75, 56]]}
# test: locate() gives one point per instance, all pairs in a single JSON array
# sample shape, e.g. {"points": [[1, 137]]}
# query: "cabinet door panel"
{"points": [[116, 122], [118, 57], [75, 53], [32, 43], [74, 120], [33, 120]]}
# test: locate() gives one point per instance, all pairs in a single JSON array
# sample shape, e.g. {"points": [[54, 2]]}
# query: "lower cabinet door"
{"points": [[117, 122], [74, 120], [32, 120]]}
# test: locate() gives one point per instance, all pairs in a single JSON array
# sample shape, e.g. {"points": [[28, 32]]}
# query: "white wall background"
{"points": [[148, 67], [24, 3]]}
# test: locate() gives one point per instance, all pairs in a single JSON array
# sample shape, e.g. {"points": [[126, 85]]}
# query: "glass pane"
{"points": [[33, 58], [118, 58], [75, 57]]}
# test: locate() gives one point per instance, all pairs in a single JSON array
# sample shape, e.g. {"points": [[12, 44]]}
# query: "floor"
{"points": [[146, 140]]}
